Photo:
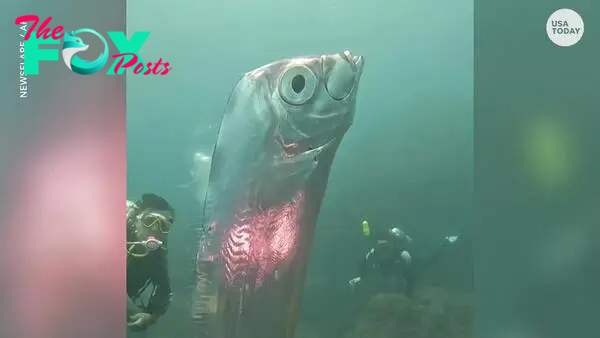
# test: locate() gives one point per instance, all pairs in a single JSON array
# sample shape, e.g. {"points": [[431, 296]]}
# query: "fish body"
{"points": [[268, 175]]}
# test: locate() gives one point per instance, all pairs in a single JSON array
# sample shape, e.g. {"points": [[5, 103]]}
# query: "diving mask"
{"points": [[155, 220], [149, 226]]}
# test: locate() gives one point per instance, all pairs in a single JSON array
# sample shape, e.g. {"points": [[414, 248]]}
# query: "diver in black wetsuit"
{"points": [[392, 260], [148, 224]]}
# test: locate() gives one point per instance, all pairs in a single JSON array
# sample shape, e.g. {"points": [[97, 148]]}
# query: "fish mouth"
{"points": [[355, 61], [309, 148]]}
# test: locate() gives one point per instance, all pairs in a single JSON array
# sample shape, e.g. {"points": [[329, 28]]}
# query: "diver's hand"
{"points": [[451, 239], [406, 257], [400, 234], [140, 321], [353, 282]]}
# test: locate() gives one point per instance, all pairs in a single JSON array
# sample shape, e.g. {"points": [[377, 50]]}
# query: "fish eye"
{"points": [[297, 85], [341, 81]]}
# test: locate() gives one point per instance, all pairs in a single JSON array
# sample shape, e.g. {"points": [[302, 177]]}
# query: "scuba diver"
{"points": [[148, 224], [391, 259]]}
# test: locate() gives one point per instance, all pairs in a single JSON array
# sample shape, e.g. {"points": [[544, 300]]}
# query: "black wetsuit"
{"points": [[387, 259], [150, 271]]}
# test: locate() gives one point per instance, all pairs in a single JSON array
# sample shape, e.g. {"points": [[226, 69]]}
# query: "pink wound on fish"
{"points": [[260, 242]]}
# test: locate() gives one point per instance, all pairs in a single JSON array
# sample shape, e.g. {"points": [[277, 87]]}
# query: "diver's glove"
{"points": [[400, 234], [406, 257], [451, 239], [353, 282], [141, 321]]}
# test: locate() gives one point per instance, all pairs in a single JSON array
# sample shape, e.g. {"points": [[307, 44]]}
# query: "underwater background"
{"points": [[407, 160]]}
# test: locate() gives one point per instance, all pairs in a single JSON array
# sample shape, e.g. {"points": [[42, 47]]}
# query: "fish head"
{"points": [[283, 121], [313, 100]]}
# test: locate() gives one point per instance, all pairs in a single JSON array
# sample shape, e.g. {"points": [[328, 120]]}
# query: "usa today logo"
{"points": [[564, 27]]}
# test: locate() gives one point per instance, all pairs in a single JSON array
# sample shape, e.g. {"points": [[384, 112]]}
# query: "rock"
{"points": [[432, 313]]}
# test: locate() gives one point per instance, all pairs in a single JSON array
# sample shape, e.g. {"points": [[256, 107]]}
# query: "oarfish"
{"points": [[268, 175]]}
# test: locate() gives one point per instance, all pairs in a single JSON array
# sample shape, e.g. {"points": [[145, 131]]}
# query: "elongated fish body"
{"points": [[268, 175]]}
